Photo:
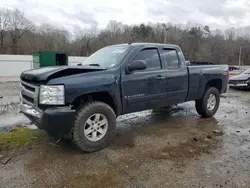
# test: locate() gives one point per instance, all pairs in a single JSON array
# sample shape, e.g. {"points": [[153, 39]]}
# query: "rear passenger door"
{"points": [[177, 76], [145, 88]]}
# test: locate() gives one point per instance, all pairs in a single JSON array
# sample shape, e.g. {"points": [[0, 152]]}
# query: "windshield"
{"points": [[107, 57], [246, 71]]}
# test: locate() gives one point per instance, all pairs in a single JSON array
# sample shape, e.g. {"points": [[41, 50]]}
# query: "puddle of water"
{"points": [[175, 134], [175, 141], [12, 120], [185, 151]]}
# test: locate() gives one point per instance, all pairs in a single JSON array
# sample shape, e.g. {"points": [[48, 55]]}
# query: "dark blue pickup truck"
{"points": [[84, 101]]}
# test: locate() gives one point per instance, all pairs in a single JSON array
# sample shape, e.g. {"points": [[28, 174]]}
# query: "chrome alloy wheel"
{"points": [[96, 127], [211, 102]]}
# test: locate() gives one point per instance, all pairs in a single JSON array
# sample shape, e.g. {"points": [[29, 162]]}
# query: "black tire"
{"points": [[198, 107], [201, 105], [82, 115]]}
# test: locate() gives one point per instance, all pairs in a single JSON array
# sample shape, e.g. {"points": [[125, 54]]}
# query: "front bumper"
{"points": [[30, 111], [53, 120]]}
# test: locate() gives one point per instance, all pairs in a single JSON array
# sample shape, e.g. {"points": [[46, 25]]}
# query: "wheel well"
{"points": [[97, 96], [217, 83]]}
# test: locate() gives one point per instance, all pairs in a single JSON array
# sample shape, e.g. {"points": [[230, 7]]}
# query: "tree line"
{"points": [[18, 35]]}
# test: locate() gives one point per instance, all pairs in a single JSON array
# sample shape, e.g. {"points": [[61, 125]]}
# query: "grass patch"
{"points": [[3, 112], [18, 137]]}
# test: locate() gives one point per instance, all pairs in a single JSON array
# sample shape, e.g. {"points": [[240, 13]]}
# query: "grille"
{"points": [[29, 93], [27, 98], [234, 82], [27, 87]]}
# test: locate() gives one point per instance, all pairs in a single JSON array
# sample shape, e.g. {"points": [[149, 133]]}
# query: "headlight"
{"points": [[52, 95]]}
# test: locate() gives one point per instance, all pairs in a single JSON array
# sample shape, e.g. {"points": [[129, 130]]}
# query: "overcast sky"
{"points": [[215, 13]]}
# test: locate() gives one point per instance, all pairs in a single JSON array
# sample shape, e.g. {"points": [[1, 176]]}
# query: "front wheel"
{"points": [[208, 105], [94, 126]]}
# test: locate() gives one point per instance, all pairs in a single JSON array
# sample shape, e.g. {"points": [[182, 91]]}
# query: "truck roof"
{"points": [[153, 44], [149, 44]]}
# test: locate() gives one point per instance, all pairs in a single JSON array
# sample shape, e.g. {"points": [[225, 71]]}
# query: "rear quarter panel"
{"points": [[199, 76]]}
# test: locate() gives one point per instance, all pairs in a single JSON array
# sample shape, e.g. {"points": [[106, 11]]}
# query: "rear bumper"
{"points": [[239, 85], [53, 120]]}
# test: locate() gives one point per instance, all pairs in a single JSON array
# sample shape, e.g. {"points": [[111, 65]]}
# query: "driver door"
{"points": [[145, 89]]}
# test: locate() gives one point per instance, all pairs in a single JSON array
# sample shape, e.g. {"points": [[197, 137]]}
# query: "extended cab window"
{"points": [[170, 58], [151, 56]]}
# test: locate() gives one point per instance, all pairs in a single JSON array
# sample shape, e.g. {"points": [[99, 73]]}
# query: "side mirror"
{"points": [[136, 65]]}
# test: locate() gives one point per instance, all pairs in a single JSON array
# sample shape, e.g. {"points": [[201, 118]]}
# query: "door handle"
{"points": [[160, 77]]}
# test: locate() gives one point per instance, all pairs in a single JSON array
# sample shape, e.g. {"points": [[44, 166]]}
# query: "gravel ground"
{"points": [[9, 92], [174, 148], [9, 99]]}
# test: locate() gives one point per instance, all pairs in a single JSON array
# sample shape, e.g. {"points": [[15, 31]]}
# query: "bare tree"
{"points": [[18, 25], [84, 37], [198, 42], [114, 27], [48, 33], [32, 38], [4, 25], [79, 34], [62, 39], [230, 34]]}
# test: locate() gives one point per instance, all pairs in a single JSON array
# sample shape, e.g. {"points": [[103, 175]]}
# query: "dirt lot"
{"points": [[174, 148], [9, 99], [9, 92]]}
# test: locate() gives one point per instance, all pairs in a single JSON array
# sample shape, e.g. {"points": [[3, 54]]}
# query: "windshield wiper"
{"points": [[93, 64]]}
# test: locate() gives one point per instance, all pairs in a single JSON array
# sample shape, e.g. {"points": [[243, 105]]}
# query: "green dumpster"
{"points": [[49, 58]]}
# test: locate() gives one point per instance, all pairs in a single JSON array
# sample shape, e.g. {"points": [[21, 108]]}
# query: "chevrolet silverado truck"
{"points": [[84, 101]]}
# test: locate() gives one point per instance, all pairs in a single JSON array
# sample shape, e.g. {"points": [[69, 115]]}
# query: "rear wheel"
{"points": [[208, 105], [94, 126]]}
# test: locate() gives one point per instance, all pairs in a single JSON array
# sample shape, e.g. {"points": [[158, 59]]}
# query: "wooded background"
{"points": [[18, 35]]}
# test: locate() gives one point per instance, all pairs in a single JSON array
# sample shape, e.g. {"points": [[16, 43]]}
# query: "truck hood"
{"points": [[47, 73], [241, 77]]}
